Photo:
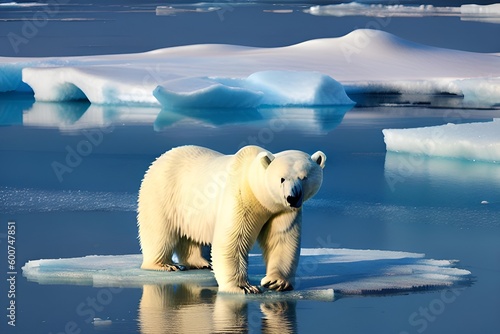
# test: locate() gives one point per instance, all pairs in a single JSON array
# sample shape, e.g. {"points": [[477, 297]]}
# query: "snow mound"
{"points": [[472, 141], [363, 61], [267, 88], [347, 271]]}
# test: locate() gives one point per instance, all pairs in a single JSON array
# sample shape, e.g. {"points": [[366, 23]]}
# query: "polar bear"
{"points": [[192, 196]]}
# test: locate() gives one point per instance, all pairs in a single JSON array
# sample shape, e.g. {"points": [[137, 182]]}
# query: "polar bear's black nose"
{"points": [[295, 201]]}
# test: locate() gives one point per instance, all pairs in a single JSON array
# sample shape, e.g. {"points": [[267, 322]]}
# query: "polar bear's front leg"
{"points": [[280, 243], [230, 264], [234, 236]]}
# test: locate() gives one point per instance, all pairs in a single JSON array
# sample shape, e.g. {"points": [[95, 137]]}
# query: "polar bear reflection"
{"points": [[187, 308]]}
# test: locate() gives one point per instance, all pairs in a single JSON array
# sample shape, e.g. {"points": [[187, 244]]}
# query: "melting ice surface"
{"points": [[346, 271], [472, 141], [363, 61]]}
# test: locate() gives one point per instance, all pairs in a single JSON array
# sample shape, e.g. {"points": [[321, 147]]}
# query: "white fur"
{"points": [[193, 196]]}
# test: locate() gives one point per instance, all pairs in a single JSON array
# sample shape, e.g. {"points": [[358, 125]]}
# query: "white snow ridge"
{"points": [[363, 61]]}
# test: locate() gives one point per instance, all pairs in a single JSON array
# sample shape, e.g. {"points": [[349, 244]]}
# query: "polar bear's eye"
{"points": [[282, 180]]}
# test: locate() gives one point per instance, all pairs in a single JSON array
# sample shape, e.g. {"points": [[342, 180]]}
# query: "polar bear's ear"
{"points": [[320, 158], [265, 158]]}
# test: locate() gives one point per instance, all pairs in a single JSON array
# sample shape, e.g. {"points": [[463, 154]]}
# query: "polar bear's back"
{"points": [[183, 187]]}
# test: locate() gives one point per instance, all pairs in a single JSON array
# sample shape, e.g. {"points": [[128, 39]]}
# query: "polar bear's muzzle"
{"points": [[294, 196]]}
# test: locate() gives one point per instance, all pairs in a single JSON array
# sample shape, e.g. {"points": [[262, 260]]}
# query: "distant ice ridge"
{"points": [[472, 141], [347, 271], [363, 61], [493, 9], [380, 10]]}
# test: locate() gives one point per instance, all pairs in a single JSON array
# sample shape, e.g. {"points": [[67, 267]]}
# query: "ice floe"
{"points": [[472, 141], [363, 61], [347, 271]]}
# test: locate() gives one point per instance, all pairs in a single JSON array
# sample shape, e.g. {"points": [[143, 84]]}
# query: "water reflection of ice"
{"points": [[310, 120], [444, 181], [73, 116]]}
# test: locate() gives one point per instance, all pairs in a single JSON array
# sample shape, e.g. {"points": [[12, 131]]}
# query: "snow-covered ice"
{"points": [[363, 61], [472, 141], [347, 271]]}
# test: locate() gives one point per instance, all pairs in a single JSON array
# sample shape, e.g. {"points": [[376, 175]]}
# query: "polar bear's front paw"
{"points": [[163, 267], [276, 283], [249, 289]]}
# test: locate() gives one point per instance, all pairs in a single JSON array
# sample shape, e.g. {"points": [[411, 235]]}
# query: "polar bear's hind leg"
{"points": [[157, 253], [190, 254]]}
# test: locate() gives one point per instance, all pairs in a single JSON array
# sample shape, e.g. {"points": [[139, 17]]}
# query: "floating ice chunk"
{"points": [[348, 271], [101, 322], [181, 9], [472, 141], [267, 88], [480, 92]]}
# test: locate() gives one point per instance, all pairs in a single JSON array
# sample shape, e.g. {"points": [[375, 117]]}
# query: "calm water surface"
{"points": [[433, 208], [369, 199]]}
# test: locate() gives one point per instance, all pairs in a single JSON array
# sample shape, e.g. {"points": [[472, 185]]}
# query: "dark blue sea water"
{"points": [[432, 206]]}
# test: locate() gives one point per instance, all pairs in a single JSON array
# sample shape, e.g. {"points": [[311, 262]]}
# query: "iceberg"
{"points": [[346, 271], [363, 61], [471, 141]]}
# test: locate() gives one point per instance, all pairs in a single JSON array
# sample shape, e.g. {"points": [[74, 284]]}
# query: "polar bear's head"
{"points": [[289, 178]]}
